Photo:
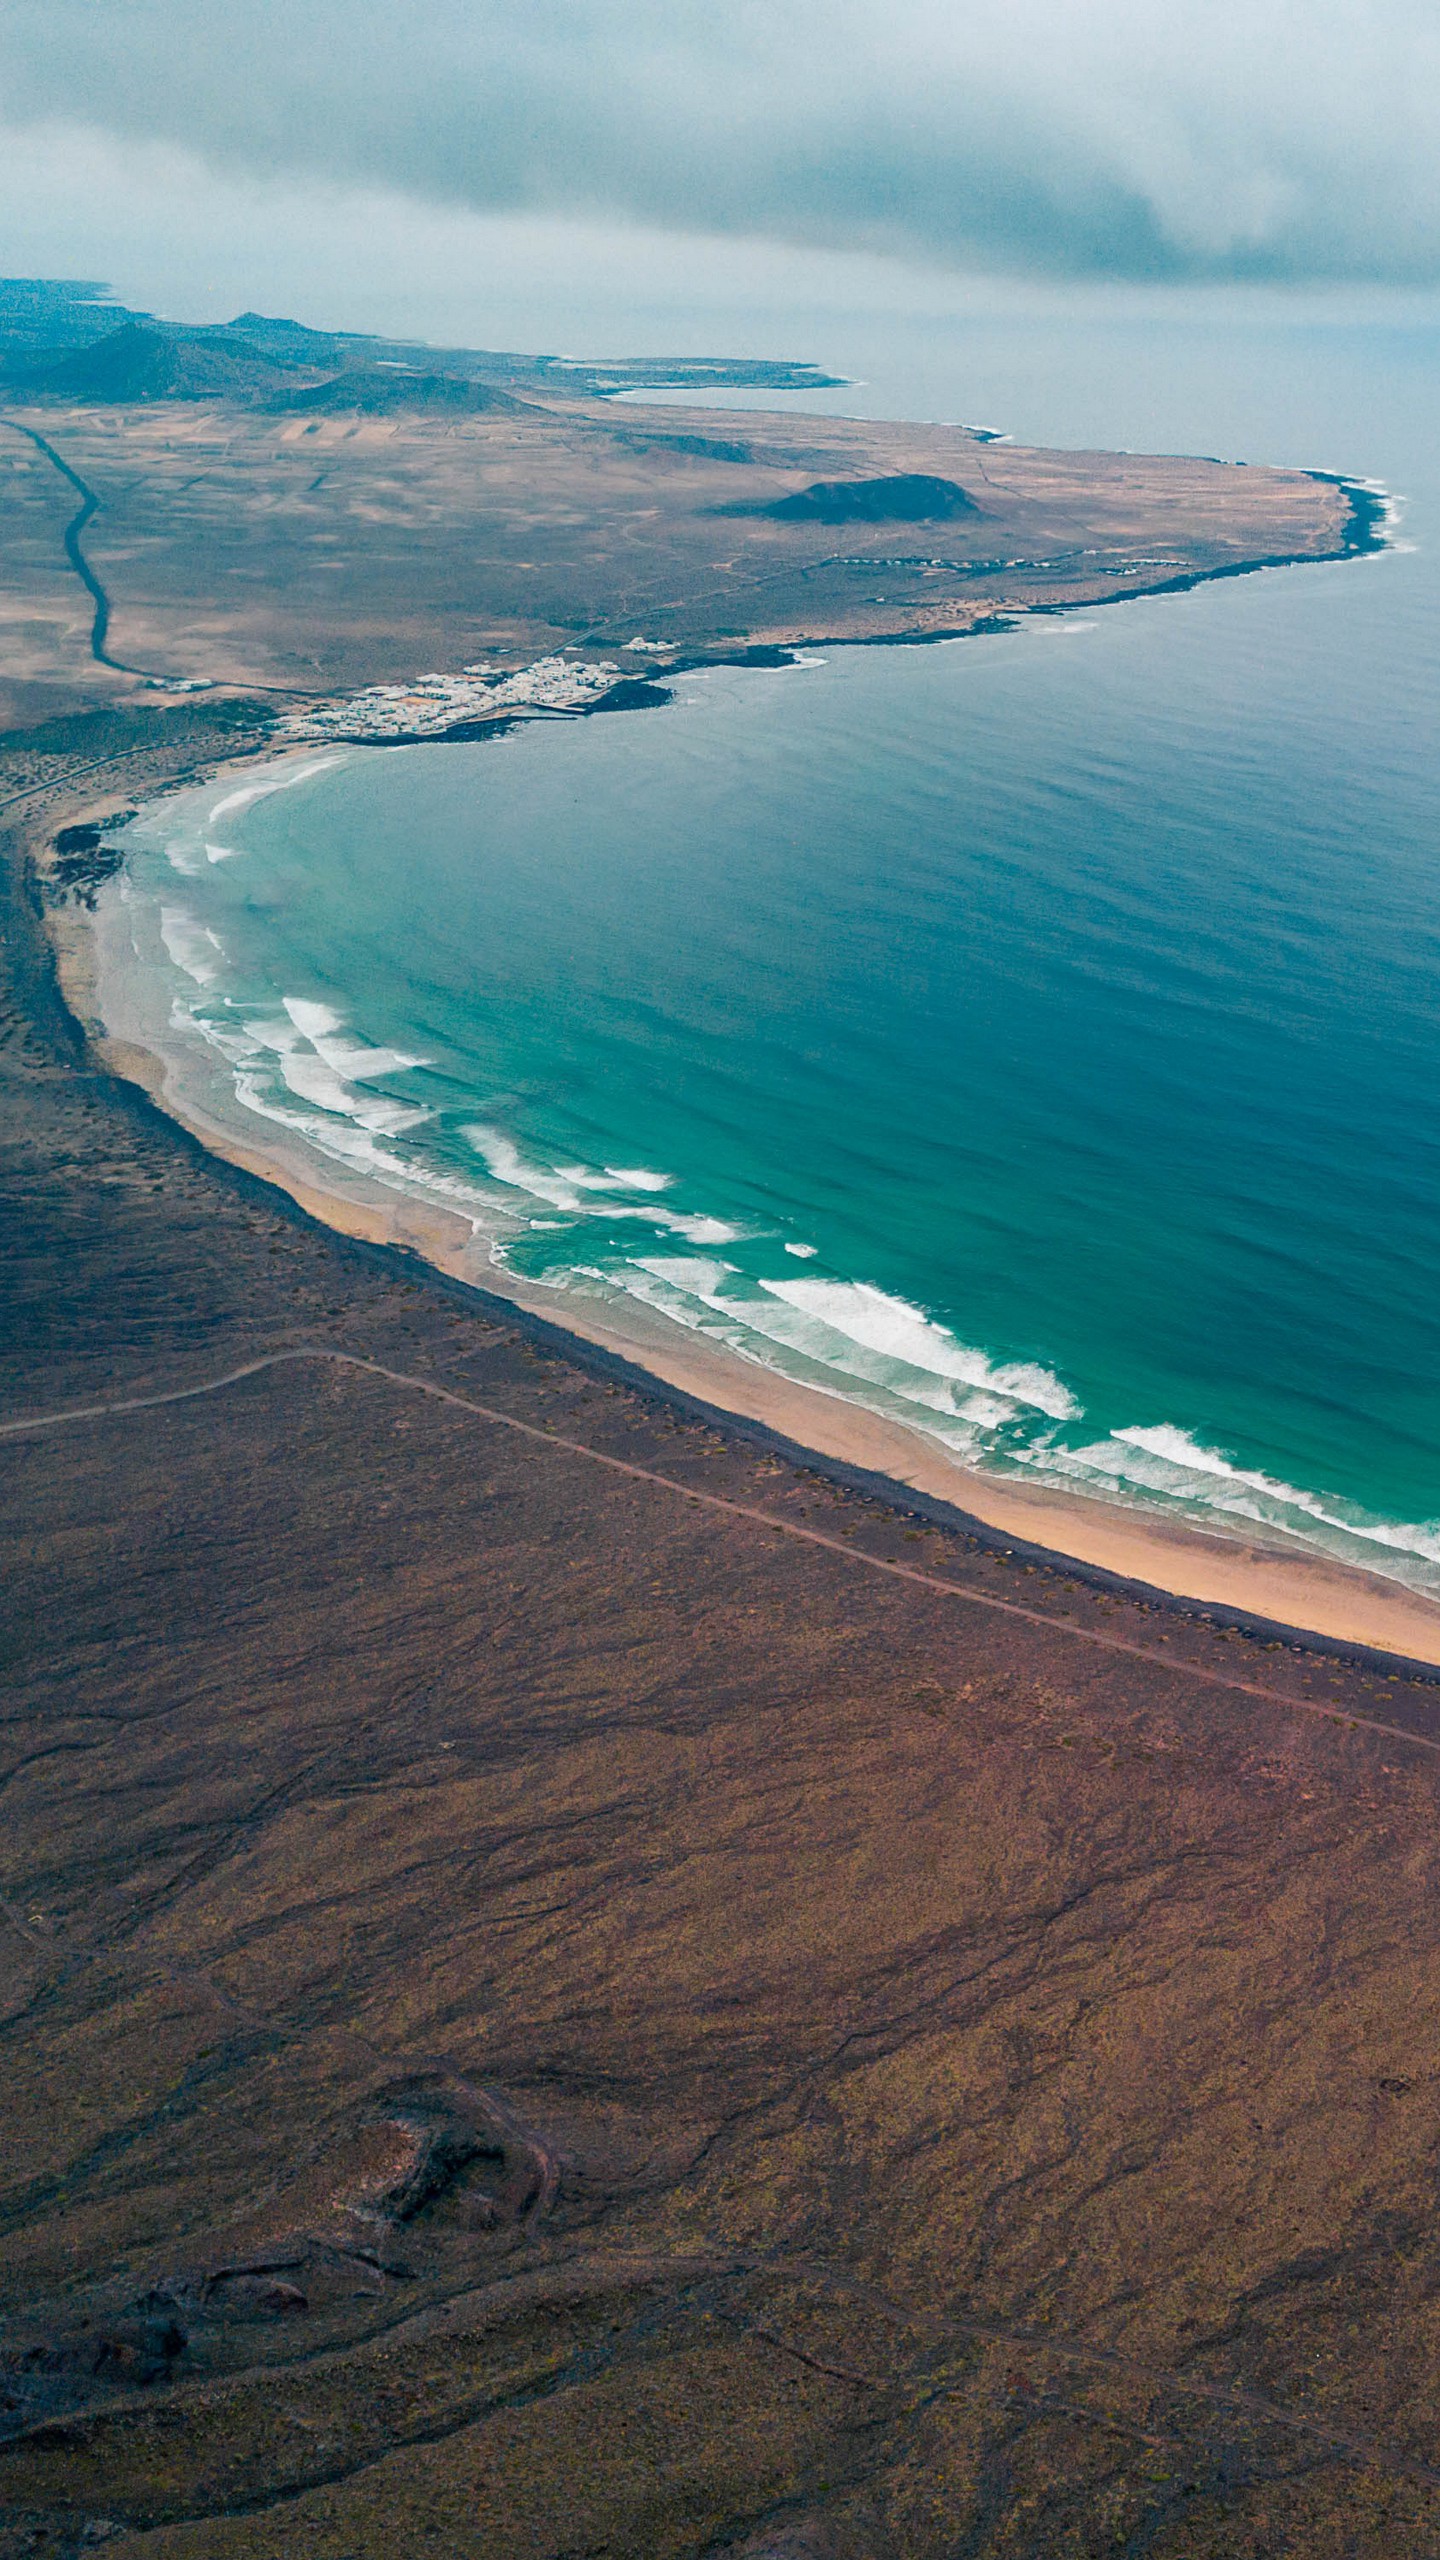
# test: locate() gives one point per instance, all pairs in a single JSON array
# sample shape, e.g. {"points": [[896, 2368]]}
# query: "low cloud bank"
{"points": [[1094, 138]]}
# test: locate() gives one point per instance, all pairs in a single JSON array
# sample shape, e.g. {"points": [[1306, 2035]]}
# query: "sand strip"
{"points": [[1282, 1583]]}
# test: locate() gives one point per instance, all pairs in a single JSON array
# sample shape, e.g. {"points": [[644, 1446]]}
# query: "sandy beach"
{"points": [[1273, 1581]]}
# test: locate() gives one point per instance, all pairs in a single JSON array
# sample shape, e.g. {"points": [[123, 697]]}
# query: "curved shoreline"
{"points": [[1263, 1585], [1266, 1592], [1373, 512], [1265, 1582]]}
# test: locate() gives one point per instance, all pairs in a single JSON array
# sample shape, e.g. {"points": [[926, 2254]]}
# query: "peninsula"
{"points": [[269, 511]]}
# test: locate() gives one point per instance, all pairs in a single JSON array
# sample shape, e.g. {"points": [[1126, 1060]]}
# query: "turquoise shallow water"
{"points": [[1035, 1038]]}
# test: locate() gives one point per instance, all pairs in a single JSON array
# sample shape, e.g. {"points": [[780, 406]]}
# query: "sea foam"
{"points": [[191, 945], [284, 778], [855, 1341], [1161, 1458], [878, 1322], [567, 1186]]}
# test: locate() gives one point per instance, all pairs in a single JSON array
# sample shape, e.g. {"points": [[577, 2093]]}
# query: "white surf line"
{"points": [[733, 1510]]}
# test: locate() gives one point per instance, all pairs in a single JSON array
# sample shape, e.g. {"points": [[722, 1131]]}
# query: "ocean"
{"points": [[1034, 1038]]}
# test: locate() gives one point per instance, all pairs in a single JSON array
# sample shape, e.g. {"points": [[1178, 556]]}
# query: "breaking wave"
{"points": [[585, 1191], [855, 1341], [189, 844], [627, 1230], [194, 947], [1160, 1460], [300, 1064]]}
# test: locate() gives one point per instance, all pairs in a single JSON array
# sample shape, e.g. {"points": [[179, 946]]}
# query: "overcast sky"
{"points": [[1139, 142]]}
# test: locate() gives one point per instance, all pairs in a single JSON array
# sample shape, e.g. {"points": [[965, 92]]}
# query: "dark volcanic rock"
{"points": [[82, 861], [245, 2294], [634, 693], [902, 497]]}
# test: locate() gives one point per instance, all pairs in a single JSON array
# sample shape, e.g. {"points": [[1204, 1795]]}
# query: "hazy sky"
{"points": [[1139, 142]]}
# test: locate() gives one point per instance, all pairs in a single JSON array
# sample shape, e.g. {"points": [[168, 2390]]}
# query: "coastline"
{"points": [[1273, 1580], [1280, 1584], [817, 1956], [1368, 530]]}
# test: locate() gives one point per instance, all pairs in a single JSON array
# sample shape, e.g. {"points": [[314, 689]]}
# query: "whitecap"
{"points": [[273, 1035], [309, 1017], [508, 1165], [636, 1178], [710, 1298], [565, 1187], [351, 1142], [1161, 1458], [869, 1317], [353, 1060], [696, 1230], [348, 1140], [698, 1278], [318, 1070], [312, 1079], [284, 780], [610, 1180], [799, 1318], [363, 1065], [191, 945]]}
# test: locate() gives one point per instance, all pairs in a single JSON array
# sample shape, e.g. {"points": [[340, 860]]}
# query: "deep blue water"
{"points": [[1035, 1037]]}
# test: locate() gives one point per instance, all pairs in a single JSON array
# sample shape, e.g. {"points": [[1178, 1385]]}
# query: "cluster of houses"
{"points": [[428, 706]]}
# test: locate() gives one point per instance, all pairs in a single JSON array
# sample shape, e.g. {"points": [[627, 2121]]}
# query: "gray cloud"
{"points": [[1171, 140]]}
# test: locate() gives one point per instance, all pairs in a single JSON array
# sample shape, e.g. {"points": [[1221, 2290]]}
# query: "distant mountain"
{"points": [[290, 342], [64, 339], [902, 497], [137, 364], [383, 390]]}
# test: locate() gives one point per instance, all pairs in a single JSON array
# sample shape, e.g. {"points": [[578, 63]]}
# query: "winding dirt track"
{"points": [[1293, 1705]]}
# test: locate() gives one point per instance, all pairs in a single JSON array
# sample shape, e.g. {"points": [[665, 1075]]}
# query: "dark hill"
{"points": [[903, 497], [45, 320], [290, 342], [136, 364], [378, 391]]}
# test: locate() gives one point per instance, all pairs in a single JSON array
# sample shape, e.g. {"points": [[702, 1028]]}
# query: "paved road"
{"points": [[90, 504]]}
